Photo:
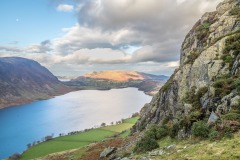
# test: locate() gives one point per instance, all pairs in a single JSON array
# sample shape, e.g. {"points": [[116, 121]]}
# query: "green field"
{"points": [[78, 140], [131, 120]]}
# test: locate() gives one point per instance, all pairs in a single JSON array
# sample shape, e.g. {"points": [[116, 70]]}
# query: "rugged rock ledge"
{"points": [[207, 79]]}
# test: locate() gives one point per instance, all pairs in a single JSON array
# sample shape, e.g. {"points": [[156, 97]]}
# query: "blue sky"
{"points": [[32, 21], [72, 37]]}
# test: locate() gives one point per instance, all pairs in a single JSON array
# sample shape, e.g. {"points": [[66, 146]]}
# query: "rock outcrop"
{"points": [[208, 76], [23, 81]]}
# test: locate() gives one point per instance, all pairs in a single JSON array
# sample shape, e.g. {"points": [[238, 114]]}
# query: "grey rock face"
{"points": [[144, 158], [125, 158], [171, 147], [213, 118], [107, 151], [200, 66], [227, 102]]}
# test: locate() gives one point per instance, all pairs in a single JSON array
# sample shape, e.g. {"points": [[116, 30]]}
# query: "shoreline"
{"points": [[24, 102], [113, 130]]}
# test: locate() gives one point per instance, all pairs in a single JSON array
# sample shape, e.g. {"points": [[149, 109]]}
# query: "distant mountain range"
{"points": [[23, 81], [123, 76], [104, 80]]}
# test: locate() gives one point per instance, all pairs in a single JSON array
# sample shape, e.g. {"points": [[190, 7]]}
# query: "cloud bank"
{"points": [[108, 29]]}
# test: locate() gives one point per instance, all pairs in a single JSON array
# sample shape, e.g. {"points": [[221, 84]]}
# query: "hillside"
{"points": [[207, 80], [104, 80], [121, 76], [115, 75], [23, 81]]}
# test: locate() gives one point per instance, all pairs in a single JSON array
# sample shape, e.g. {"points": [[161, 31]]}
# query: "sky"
{"points": [[73, 37]]}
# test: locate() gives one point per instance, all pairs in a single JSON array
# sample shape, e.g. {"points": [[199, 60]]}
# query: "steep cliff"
{"points": [[23, 81], [207, 80]]}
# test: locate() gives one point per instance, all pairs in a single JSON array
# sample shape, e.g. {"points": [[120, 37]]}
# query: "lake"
{"points": [[74, 111]]}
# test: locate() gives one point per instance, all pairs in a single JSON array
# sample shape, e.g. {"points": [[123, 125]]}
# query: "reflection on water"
{"points": [[78, 110]]}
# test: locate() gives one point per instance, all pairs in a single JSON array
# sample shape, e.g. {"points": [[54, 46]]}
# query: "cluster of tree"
{"points": [[44, 139], [15, 156], [135, 115]]}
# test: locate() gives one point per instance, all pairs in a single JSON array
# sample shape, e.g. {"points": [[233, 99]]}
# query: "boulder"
{"points": [[212, 118], [235, 101], [144, 158], [156, 153], [171, 147], [107, 152]]}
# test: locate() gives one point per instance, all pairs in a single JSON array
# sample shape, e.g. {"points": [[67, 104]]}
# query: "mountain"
{"points": [[23, 81], [104, 80], [122, 76], [206, 85]]}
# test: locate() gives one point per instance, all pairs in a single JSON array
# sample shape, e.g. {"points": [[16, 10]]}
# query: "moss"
{"points": [[237, 84], [206, 25], [195, 115], [168, 84], [194, 98], [192, 57], [232, 45], [224, 86], [202, 31], [235, 11], [228, 59], [232, 116]]}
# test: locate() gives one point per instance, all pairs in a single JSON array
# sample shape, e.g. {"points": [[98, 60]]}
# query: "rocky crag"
{"points": [[207, 81], [24, 81]]}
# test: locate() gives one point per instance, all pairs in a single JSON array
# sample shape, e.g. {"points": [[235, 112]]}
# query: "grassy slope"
{"points": [[78, 140], [192, 149]]}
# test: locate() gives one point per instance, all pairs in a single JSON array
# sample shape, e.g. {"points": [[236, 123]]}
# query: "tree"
{"points": [[29, 145], [47, 138], [15, 156], [103, 124]]}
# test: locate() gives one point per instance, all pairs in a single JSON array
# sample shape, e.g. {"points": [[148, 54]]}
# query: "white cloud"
{"points": [[150, 32], [65, 7], [158, 26]]}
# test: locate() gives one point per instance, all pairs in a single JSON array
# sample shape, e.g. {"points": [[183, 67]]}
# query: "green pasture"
{"points": [[78, 140]]}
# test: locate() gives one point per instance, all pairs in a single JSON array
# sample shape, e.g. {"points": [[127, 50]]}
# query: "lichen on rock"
{"points": [[201, 65]]}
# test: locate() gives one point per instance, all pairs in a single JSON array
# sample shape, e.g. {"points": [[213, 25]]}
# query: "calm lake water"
{"points": [[78, 110]]}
